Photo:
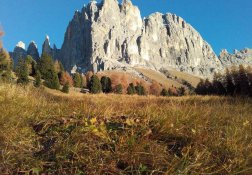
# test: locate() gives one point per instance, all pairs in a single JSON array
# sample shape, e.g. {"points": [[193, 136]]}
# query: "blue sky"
{"points": [[222, 23]]}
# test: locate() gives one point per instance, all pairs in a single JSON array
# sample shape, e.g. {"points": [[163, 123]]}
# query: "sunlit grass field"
{"points": [[48, 132]]}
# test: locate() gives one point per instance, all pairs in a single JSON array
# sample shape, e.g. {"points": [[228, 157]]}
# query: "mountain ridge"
{"points": [[110, 35]]}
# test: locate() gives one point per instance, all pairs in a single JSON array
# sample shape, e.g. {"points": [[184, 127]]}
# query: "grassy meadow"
{"points": [[48, 132]]}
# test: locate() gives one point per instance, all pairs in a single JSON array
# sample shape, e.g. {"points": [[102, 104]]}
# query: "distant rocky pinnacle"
{"points": [[109, 35], [238, 57]]}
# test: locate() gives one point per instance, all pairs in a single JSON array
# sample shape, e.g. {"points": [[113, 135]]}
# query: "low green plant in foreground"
{"points": [[119, 134]]}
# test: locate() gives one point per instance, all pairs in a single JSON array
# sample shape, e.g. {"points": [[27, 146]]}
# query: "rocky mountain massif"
{"points": [[109, 35]]}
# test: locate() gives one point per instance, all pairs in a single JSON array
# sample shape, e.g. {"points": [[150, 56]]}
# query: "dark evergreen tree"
{"points": [[229, 84], [106, 84], [22, 72], [95, 85], [37, 82], [243, 81], [46, 68], [209, 87], [140, 89], [53, 82], [45, 65], [131, 89], [201, 88], [119, 89], [31, 63], [65, 88], [235, 77], [164, 92], [218, 86], [249, 74], [181, 91], [77, 80]]}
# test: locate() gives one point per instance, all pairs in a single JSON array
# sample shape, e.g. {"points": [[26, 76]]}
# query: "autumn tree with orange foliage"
{"points": [[155, 88], [66, 78]]}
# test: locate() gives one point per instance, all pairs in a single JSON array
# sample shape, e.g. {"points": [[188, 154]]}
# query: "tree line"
{"points": [[52, 74], [236, 81]]}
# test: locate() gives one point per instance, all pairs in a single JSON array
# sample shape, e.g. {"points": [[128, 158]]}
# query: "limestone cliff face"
{"points": [[109, 35]]}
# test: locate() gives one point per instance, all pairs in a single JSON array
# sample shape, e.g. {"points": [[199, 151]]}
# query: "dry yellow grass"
{"points": [[44, 131]]}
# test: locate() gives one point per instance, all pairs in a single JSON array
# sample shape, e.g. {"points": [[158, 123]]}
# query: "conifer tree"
{"points": [[46, 68], [243, 81], [119, 89], [230, 87], [181, 91], [65, 88], [209, 87], [249, 74], [140, 89], [201, 88], [77, 79], [37, 82], [31, 64], [164, 92], [131, 89], [22, 72], [106, 84], [53, 81], [235, 77], [95, 85], [218, 87]]}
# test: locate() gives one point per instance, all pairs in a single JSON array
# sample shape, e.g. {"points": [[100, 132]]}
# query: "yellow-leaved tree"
{"points": [[5, 61]]}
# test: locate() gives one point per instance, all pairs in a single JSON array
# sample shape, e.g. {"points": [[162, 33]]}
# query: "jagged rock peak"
{"points": [[243, 56], [46, 48], [34, 44], [47, 37], [33, 50], [19, 52], [21, 44]]}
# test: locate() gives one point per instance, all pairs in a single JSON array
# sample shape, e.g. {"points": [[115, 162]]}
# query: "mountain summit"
{"points": [[109, 35]]}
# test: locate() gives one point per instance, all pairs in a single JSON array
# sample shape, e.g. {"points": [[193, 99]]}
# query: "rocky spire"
{"points": [[19, 52], [33, 50], [21, 44], [46, 48]]}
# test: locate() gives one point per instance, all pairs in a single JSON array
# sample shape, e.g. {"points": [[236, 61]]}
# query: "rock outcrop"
{"points": [[109, 35], [33, 51], [19, 52], [46, 49], [238, 57]]}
